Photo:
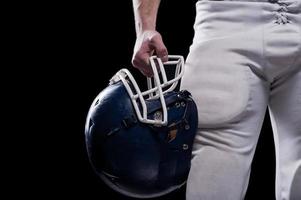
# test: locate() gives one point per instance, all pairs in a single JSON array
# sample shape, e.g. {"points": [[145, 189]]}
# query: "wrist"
{"points": [[147, 34], [142, 27]]}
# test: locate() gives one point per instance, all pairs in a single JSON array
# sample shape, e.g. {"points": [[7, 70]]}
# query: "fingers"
{"points": [[141, 62], [148, 43], [160, 48]]}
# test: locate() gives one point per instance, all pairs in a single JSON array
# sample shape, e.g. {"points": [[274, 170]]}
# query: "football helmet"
{"points": [[140, 142]]}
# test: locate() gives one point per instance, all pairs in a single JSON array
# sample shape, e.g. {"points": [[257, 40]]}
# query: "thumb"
{"points": [[160, 48]]}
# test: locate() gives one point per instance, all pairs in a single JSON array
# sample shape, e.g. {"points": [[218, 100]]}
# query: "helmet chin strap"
{"points": [[157, 88]]}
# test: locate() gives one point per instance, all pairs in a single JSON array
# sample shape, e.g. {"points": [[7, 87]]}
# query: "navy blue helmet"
{"points": [[140, 142]]}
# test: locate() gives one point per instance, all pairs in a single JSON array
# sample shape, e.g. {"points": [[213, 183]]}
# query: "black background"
{"points": [[96, 40]]}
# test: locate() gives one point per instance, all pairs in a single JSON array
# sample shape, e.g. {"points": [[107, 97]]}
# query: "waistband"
{"points": [[249, 12], [219, 18]]}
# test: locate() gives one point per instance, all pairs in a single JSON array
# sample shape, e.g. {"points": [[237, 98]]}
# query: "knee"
{"points": [[217, 174], [295, 193]]}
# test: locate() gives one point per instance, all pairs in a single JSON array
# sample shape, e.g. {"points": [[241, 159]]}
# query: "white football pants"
{"points": [[245, 57]]}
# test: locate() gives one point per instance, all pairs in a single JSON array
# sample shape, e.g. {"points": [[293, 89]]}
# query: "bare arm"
{"points": [[148, 40], [145, 12]]}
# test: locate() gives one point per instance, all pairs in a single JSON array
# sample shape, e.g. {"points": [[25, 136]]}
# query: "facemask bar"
{"points": [[179, 72], [123, 73]]}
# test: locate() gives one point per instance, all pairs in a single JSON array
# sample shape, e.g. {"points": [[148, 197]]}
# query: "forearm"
{"points": [[145, 12]]}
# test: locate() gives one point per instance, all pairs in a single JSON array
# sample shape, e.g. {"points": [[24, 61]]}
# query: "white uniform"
{"points": [[245, 57]]}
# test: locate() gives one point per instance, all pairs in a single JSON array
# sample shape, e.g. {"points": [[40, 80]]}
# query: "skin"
{"points": [[148, 40]]}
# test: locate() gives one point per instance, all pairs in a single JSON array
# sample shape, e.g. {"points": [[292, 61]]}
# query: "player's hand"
{"points": [[148, 43]]}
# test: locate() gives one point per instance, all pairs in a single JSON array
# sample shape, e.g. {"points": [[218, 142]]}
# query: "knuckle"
{"points": [[157, 36], [162, 51]]}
